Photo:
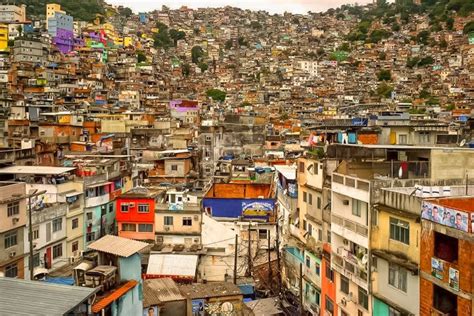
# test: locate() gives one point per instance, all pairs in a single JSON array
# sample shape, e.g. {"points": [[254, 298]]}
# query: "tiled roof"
{"points": [[119, 246], [115, 295]]}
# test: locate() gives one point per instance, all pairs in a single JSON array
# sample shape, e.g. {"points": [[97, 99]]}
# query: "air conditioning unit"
{"points": [[167, 228], [343, 301], [12, 254], [345, 242], [196, 217], [345, 202], [15, 220]]}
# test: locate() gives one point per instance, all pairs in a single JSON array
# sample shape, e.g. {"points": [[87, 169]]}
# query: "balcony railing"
{"points": [[352, 226], [349, 269]]}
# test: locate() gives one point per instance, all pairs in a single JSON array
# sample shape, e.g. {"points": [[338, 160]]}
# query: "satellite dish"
{"points": [[462, 143]]}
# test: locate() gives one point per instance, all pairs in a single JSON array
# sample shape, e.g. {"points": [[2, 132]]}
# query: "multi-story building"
{"points": [[12, 13], [178, 219], [13, 218], [3, 37], [30, 51], [446, 261], [136, 214]]}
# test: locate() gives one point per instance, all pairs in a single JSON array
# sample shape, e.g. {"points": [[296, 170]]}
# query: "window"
{"points": [[445, 301], [57, 224], [75, 223], [75, 246], [57, 251], [397, 277], [174, 167], [344, 284], [315, 168], [36, 260], [124, 207], [301, 166], [402, 139], [446, 247], [320, 235], [329, 272], [90, 236], [168, 220], [305, 225], [11, 271], [358, 207], [343, 313], [89, 216], [363, 298], [13, 209], [36, 233], [262, 234], [187, 221], [310, 230], [308, 262], [399, 230], [424, 137], [111, 208], [10, 239], [145, 228], [317, 269], [318, 202], [305, 197], [143, 208], [329, 306], [129, 227], [310, 199]]}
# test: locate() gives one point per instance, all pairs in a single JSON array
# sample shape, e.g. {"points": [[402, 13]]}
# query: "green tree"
{"points": [[186, 70], [443, 43], [162, 38], [450, 23], [428, 60], [384, 75], [377, 35], [176, 35], [203, 66], [423, 37], [242, 41], [216, 94], [125, 12], [412, 62], [141, 57], [228, 44], [384, 90], [382, 56], [468, 27], [255, 25], [395, 27], [196, 54]]}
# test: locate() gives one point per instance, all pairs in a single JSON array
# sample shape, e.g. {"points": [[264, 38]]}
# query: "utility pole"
{"points": [[277, 246], [32, 193], [235, 257], [301, 288], [269, 262], [249, 259]]}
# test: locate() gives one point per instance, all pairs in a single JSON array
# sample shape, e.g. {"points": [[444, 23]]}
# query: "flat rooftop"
{"points": [[39, 170]]}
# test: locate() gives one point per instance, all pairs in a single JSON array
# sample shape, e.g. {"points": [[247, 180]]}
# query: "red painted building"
{"points": [[328, 284], [136, 214]]}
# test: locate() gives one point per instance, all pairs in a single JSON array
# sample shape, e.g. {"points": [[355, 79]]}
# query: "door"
{"points": [[48, 258]]}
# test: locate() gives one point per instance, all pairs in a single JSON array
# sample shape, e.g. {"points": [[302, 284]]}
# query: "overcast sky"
{"points": [[273, 6]]}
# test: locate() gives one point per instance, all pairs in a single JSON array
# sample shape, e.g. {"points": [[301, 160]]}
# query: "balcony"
{"points": [[97, 200], [188, 207], [290, 203], [351, 186], [350, 230], [91, 180], [346, 267]]}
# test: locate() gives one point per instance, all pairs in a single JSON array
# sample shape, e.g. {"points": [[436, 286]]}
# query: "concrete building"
{"points": [[13, 218], [12, 13]]}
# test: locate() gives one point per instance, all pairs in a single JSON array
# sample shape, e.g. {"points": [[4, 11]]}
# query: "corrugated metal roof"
{"points": [[156, 291], [289, 172], [21, 297], [214, 289], [119, 246], [172, 265], [115, 295]]}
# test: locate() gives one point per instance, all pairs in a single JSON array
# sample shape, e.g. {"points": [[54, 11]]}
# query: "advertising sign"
{"points": [[445, 216], [454, 279], [437, 268], [198, 307], [150, 311]]}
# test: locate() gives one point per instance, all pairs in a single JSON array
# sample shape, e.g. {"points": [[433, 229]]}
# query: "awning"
{"points": [[115, 295], [72, 193], [95, 185], [172, 265]]}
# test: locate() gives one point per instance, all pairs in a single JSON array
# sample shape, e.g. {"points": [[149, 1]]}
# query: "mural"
{"points": [[256, 209], [437, 268], [454, 279], [445, 216]]}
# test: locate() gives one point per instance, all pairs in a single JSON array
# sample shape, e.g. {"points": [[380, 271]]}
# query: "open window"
{"points": [[444, 301], [446, 247]]}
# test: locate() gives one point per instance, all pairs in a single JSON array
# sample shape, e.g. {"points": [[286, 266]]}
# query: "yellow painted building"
{"points": [[3, 37], [51, 9]]}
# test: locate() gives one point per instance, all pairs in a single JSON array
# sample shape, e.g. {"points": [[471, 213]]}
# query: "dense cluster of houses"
{"points": [[248, 167]]}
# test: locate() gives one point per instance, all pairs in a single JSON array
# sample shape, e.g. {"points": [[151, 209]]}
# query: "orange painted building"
{"points": [[328, 284], [135, 214]]}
